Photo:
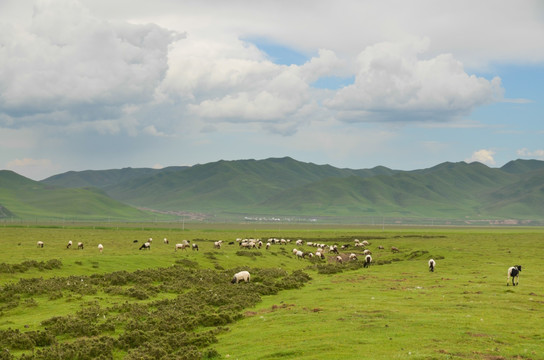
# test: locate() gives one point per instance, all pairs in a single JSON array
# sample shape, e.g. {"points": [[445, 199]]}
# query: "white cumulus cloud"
{"points": [[69, 59], [484, 156], [394, 81]]}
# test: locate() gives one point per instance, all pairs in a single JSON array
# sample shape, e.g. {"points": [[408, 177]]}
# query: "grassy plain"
{"points": [[395, 309]]}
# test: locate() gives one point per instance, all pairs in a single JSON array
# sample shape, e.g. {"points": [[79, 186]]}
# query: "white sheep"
{"points": [[299, 254], [100, 247], [217, 244], [513, 272], [432, 264], [368, 260], [339, 259], [145, 246], [40, 244], [80, 245], [165, 241], [352, 256], [195, 247], [240, 276], [69, 244]]}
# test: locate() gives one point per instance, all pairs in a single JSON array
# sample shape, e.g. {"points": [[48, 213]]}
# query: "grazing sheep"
{"points": [[217, 244], [319, 254], [300, 255], [352, 256], [394, 249], [368, 260], [380, 247], [181, 246], [79, 245], [432, 264], [145, 246], [166, 241], [240, 276], [513, 272], [194, 247], [69, 244], [40, 244], [339, 259], [268, 245], [298, 242], [100, 247], [333, 249], [367, 252], [365, 243]]}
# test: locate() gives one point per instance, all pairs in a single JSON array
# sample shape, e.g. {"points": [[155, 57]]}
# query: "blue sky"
{"points": [[96, 84]]}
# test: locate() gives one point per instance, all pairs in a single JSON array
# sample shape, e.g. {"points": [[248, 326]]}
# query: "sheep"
{"points": [[166, 241], [80, 245], [194, 247], [181, 246], [365, 243], [380, 247], [368, 260], [300, 255], [298, 242], [40, 244], [339, 259], [432, 264], [394, 249], [69, 244], [145, 246], [268, 245], [352, 256], [240, 276], [334, 249], [367, 252], [217, 244], [513, 272], [319, 254], [100, 247]]}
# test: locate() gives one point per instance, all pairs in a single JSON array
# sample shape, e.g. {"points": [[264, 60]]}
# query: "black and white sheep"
{"points": [[513, 272], [80, 245], [100, 247], [40, 244], [194, 247], [368, 261], [432, 264], [145, 246], [69, 244], [240, 276]]}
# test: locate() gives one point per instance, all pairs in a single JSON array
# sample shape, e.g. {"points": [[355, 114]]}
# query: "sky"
{"points": [[109, 84]]}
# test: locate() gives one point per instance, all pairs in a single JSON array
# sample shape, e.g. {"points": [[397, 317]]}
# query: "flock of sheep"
{"points": [[512, 273]]}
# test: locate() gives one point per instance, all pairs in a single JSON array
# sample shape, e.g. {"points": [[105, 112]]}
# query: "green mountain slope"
{"points": [[284, 186], [103, 178], [222, 185], [25, 198]]}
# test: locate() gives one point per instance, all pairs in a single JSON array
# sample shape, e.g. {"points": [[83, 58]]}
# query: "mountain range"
{"points": [[282, 187]]}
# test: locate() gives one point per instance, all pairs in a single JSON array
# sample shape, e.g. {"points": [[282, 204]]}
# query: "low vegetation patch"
{"points": [[148, 329]]}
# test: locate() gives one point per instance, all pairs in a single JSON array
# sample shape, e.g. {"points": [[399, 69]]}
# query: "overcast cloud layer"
{"points": [[110, 84]]}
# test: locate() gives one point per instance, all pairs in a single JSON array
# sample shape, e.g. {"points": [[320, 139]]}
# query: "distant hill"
{"points": [[21, 197], [103, 178], [282, 186]]}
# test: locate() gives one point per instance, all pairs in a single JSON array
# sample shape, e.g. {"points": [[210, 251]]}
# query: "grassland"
{"points": [[395, 309]]}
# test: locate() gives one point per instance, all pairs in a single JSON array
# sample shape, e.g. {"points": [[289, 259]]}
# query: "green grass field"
{"points": [[396, 309]]}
